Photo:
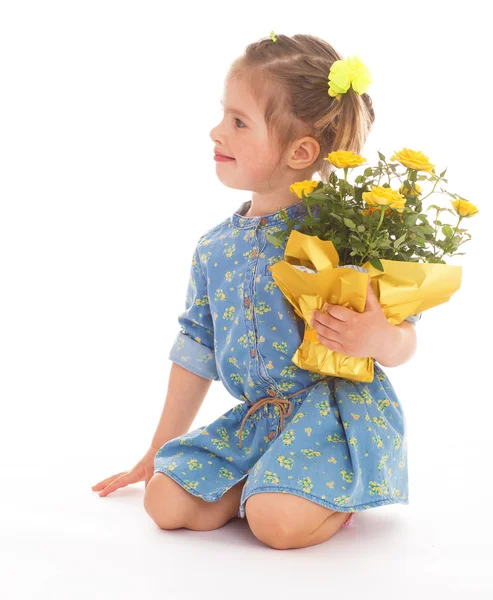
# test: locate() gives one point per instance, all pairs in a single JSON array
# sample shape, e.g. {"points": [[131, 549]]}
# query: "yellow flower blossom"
{"points": [[307, 185], [464, 208], [343, 159], [413, 159], [384, 196]]}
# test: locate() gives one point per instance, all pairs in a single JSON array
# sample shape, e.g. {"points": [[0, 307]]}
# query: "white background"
{"points": [[107, 180]]}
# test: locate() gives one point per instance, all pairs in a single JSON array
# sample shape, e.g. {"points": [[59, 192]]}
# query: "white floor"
{"points": [[60, 540]]}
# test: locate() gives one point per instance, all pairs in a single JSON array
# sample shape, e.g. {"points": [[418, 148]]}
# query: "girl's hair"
{"points": [[289, 78]]}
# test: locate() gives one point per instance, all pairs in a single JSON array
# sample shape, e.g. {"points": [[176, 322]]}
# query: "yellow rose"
{"points": [[308, 186], [464, 208], [384, 196], [413, 160], [343, 159], [415, 191]]}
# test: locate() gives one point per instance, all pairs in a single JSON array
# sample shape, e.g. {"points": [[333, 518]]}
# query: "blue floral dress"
{"points": [[336, 442]]}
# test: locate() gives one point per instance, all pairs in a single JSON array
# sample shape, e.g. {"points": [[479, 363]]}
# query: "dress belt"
{"points": [[285, 406]]}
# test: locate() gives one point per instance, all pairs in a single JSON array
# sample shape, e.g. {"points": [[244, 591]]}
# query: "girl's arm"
{"points": [[400, 345], [186, 392]]}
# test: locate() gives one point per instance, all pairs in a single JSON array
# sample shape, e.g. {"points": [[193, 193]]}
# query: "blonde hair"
{"points": [[289, 78]]}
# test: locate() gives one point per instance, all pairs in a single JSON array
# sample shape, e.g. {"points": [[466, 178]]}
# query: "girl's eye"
{"points": [[235, 119]]}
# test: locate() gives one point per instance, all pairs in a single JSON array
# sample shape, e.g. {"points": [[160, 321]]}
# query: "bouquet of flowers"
{"points": [[381, 235]]}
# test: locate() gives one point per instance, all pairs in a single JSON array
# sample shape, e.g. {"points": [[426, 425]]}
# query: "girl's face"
{"points": [[242, 134]]}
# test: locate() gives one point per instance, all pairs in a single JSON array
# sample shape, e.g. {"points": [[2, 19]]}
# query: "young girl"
{"points": [[300, 452]]}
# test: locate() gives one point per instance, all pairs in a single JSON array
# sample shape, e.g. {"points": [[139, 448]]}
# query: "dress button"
{"points": [[272, 434], [247, 301], [252, 352], [263, 221]]}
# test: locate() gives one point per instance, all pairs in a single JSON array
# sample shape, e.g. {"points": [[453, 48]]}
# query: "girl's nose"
{"points": [[216, 136]]}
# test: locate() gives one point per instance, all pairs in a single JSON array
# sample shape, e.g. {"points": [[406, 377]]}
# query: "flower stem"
{"points": [[382, 212], [458, 222], [432, 191]]}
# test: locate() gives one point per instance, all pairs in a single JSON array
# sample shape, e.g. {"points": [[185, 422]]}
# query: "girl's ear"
{"points": [[306, 152]]}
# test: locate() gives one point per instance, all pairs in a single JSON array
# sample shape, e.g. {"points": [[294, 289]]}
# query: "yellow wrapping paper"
{"points": [[403, 289]]}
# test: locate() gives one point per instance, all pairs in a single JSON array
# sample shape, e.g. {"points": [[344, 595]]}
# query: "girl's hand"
{"points": [[142, 471], [352, 333]]}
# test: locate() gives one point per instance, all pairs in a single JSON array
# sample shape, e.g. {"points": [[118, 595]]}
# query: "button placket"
{"points": [[254, 353], [272, 392], [249, 295]]}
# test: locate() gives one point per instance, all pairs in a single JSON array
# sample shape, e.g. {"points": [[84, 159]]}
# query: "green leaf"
{"points": [[398, 242], [273, 240], [375, 262], [447, 231], [318, 195], [361, 227], [349, 223]]}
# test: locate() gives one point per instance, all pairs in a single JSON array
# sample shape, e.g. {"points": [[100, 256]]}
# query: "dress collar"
{"points": [[299, 209]]}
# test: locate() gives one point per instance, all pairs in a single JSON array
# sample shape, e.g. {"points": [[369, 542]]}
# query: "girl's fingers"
{"points": [[326, 332], [122, 481], [102, 484], [326, 335]]}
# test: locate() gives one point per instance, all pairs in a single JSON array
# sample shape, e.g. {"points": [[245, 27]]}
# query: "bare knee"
{"points": [[162, 503], [171, 507]]}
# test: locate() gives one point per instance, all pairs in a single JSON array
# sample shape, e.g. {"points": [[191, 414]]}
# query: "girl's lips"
{"points": [[221, 158]]}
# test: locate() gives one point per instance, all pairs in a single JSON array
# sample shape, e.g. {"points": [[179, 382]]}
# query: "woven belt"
{"points": [[285, 407]]}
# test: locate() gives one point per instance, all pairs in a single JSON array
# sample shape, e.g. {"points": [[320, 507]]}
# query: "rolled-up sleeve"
{"points": [[193, 348]]}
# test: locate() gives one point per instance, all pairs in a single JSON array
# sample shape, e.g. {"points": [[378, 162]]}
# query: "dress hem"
{"points": [[273, 488], [317, 500], [209, 497]]}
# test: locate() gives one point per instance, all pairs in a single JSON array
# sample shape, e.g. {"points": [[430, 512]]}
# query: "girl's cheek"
{"points": [[260, 165]]}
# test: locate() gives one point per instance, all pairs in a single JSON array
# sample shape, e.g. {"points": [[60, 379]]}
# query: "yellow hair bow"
{"points": [[350, 72]]}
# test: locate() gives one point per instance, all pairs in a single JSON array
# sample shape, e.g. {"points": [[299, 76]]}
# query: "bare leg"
{"points": [[326, 530], [172, 507]]}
